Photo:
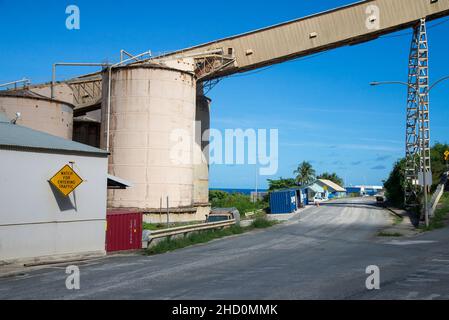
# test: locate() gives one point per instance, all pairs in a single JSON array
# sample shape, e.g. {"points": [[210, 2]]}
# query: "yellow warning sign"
{"points": [[66, 180], [446, 155]]}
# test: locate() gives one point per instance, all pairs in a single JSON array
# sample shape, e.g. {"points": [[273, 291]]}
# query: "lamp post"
{"points": [[423, 168]]}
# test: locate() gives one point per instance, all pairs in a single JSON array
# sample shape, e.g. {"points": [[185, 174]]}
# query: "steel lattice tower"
{"points": [[418, 120]]}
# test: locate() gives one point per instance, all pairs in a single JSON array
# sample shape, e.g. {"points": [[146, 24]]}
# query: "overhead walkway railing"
{"points": [[15, 84]]}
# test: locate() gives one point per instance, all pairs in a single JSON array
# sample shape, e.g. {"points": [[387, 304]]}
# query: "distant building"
{"points": [[364, 190], [332, 189], [314, 191]]}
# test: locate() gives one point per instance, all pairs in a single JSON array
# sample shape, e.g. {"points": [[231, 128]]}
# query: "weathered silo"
{"points": [[201, 153], [151, 137], [38, 112]]}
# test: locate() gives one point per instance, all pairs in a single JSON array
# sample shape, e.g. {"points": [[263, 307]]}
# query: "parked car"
{"points": [[319, 199], [381, 199], [223, 214]]}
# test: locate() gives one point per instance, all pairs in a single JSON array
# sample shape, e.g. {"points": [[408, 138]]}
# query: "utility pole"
{"points": [[422, 83], [257, 185], [418, 119], [168, 213]]}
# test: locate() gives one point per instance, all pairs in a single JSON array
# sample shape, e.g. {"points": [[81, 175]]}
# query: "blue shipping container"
{"points": [[283, 202]]}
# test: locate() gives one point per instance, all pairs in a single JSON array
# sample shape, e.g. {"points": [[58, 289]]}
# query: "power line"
{"points": [[410, 33], [269, 67]]}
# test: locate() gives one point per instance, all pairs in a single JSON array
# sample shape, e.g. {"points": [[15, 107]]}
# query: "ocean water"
{"points": [[242, 191]]}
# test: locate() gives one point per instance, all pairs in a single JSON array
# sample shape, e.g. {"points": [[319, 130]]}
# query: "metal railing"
{"points": [[26, 82], [166, 233], [438, 194]]}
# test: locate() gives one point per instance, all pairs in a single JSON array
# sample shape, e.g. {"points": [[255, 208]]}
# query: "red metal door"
{"points": [[124, 231]]}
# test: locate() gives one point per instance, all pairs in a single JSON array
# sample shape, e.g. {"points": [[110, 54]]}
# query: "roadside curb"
{"points": [[17, 269], [289, 216], [404, 229], [392, 211]]}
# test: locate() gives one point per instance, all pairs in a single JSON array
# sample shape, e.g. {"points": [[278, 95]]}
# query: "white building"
{"points": [[37, 222]]}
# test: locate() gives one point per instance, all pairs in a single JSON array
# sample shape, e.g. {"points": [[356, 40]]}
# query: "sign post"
{"points": [[66, 180], [446, 157]]}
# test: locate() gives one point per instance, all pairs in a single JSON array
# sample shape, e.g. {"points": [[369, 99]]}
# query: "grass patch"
{"points": [[441, 214], [390, 235], [260, 223], [242, 202], [161, 226], [168, 245], [397, 220]]}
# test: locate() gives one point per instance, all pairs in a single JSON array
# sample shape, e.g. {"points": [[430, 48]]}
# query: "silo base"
{"points": [[179, 215]]}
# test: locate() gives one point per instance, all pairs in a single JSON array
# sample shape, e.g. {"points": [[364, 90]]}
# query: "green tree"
{"points": [[332, 177], [394, 186], [217, 195], [243, 203], [438, 163], [281, 183], [305, 173]]}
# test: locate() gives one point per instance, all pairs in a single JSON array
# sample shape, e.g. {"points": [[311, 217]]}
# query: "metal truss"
{"points": [[208, 85], [418, 120], [208, 64], [86, 92]]}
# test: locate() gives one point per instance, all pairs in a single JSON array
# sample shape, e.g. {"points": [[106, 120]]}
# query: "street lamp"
{"points": [[414, 87], [378, 83]]}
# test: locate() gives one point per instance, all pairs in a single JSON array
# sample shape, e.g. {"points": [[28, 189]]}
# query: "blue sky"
{"points": [[324, 108]]}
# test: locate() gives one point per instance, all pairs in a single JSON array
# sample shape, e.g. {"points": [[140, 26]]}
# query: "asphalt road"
{"points": [[323, 254]]}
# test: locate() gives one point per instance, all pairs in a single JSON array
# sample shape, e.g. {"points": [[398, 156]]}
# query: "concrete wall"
{"points": [[201, 168], [36, 221], [52, 117]]}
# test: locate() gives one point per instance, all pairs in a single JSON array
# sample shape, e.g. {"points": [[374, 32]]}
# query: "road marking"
{"points": [[422, 280], [409, 243]]}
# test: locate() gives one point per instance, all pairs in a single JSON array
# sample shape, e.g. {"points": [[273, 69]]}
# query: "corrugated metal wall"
{"points": [[283, 202], [124, 231]]}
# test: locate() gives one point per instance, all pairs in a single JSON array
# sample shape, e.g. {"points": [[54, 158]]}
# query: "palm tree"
{"points": [[305, 173]]}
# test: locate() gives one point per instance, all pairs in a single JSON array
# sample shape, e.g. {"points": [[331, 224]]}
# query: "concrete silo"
{"points": [[201, 154], [151, 133], [38, 112]]}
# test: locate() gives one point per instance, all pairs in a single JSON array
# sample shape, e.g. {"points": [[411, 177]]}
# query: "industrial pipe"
{"points": [[108, 121]]}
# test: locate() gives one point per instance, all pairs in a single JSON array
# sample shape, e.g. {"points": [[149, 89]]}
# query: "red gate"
{"points": [[124, 231]]}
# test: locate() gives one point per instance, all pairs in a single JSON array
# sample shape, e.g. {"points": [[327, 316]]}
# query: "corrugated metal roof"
{"points": [[25, 93], [332, 185], [315, 188], [85, 119], [116, 182], [14, 137]]}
